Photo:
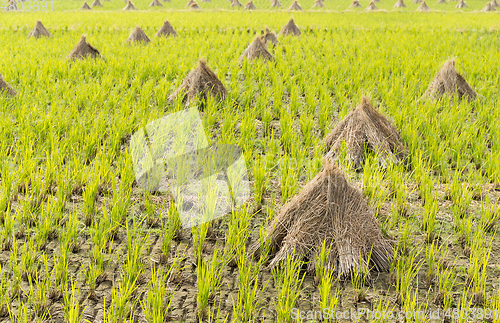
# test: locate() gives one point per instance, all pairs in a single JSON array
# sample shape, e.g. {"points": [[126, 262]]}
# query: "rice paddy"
{"points": [[81, 241]]}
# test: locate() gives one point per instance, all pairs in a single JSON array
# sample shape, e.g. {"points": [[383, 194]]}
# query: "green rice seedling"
{"points": [[287, 133], [69, 238], [29, 259], [4, 292], [89, 199], [407, 268], [71, 304], [16, 270], [24, 315], [288, 280], [413, 310], [157, 300], [7, 231], [289, 183], [7, 175], [199, 237], [213, 317], [445, 280], [208, 277], [374, 186], [41, 290], [133, 266], [321, 260], [327, 300], [406, 239], [382, 306], [429, 212], [464, 233], [122, 301], [360, 276], [489, 215], [476, 272], [434, 255], [247, 134], [462, 312], [248, 305], [61, 264], [267, 117], [170, 230], [237, 234], [260, 178], [307, 128], [314, 164]]}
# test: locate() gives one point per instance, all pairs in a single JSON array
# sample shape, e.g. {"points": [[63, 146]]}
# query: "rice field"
{"points": [[80, 241]]}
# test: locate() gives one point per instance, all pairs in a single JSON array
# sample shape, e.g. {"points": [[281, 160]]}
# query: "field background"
{"points": [[64, 143]]}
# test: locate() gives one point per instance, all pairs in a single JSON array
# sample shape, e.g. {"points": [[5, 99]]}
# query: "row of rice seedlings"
{"points": [[158, 299], [405, 275], [476, 272], [288, 280], [170, 230], [71, 304], [208, 278], [248, 306]]}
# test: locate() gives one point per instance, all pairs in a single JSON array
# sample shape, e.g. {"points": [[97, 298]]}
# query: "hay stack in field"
{"points": [[448, 80], [269, 37], [442, 2], [461, 4], [155, 3], [190, 3], [194, 6], [200, 83], [166, 30], [295, 6], [329, 211], [96, 3], [290, 29], [417, 1], [400, 4], [355, 4], [250, 6], [423, 7], [371, 6], [85, 6], [236, 3], [39, 31], [6, 88], [83, 50], [318, 4], [137, 36], [129, 6], [275, 3], [494, 3], [365, 128], [488, 7], [256, 49]]}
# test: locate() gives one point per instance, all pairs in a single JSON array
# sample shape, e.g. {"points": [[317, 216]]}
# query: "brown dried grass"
{"points": [[137, 36], [39, 31], [6, 88], [200, 83], [448, 80], [256, 49], [166, 30], [290, 29], [365, 128], [330, 210], [83, 50]]}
